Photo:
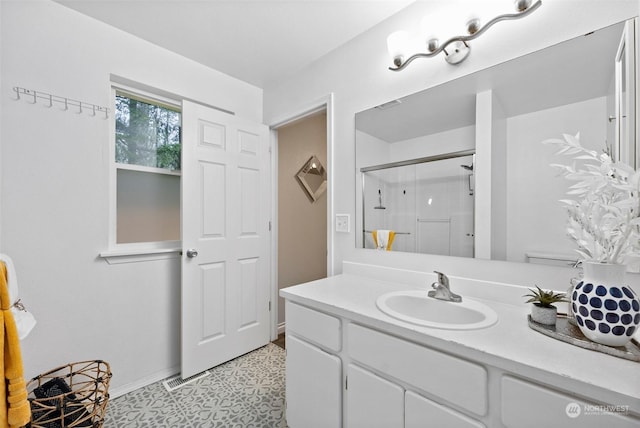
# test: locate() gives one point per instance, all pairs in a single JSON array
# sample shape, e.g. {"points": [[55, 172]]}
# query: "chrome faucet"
{"points": [[441, 289]]}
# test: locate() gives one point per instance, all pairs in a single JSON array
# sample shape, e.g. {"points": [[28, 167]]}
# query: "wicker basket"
{"points": [[75, 395]]}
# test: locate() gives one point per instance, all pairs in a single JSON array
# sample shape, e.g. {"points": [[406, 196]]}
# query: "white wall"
{"points": [[55, 182], [374, 150], [452, 140], [358, 77], [535, 219], [484, 174], [499, 181]]}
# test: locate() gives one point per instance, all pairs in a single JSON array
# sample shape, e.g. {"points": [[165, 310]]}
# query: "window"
{"points": [[146, 149], [147, 134]]}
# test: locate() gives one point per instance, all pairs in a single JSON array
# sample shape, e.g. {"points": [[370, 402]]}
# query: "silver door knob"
{"points": [[191, 253]]}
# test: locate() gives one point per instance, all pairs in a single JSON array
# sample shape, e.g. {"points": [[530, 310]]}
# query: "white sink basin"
{"points": [[415, 307]]}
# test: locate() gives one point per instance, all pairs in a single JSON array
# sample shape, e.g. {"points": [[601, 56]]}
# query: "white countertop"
{"points": [[509, 344]]}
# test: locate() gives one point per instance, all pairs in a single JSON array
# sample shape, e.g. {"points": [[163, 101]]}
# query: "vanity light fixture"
{"points": [[456, 49]]}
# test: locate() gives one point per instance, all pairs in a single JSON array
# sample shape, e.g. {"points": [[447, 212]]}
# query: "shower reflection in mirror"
{"points": [[428, 203]]}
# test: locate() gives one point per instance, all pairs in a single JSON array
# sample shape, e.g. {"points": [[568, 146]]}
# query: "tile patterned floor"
{"points": [[248, 392]]}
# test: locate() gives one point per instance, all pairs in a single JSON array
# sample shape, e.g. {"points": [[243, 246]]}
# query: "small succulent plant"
{"points": [[543, 298]]}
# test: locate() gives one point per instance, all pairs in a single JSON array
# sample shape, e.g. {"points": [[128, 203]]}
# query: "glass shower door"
{"points": [[445, 207], [428, 204], [389, 204]]}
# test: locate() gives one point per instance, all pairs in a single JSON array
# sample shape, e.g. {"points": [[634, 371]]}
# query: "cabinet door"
{"points": [[373, 402], [423, 413], [555, 409], [313, 386]]}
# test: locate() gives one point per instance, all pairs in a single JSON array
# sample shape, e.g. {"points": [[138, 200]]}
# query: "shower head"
{"points": [[379, 207], [467, 167]]}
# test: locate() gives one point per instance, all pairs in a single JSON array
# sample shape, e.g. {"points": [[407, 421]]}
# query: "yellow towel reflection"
{"points": [[383, 239]]}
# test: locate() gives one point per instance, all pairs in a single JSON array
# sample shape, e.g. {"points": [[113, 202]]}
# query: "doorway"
{"points": [[303, 238]]}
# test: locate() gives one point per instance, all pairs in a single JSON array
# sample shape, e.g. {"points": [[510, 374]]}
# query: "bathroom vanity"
{"points": [[351, 365]]}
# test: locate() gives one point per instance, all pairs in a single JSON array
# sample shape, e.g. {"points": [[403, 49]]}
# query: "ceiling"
{"points": [[569, 72], [257, 41]]}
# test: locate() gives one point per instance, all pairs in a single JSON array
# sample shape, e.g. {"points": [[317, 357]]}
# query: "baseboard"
{"points": [[156, 377]]}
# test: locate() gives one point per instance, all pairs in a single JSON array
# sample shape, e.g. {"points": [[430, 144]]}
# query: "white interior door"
{"points": [[225, 235]]}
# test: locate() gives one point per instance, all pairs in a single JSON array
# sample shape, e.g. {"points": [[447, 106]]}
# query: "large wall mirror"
{"points": [[416, 156]]}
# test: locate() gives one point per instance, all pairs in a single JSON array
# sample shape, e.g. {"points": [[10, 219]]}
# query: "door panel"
{"points": [[249, 292], [225, 214], [212, 286], [213, 185], [249, 197]]}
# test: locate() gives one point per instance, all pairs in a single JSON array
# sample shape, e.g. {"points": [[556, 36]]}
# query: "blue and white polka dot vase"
{"points": [[606, 310]]}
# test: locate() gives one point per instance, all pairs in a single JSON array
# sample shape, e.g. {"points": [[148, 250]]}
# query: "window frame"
{"points": [[137, 251]]}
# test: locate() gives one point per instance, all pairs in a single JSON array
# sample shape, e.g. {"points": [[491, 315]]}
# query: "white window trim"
{"points": [[130, 253], [141, 168], [143, 251]]}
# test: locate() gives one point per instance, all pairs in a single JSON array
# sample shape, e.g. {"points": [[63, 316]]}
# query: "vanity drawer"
{"points": [[450, 378], [319, 328]]}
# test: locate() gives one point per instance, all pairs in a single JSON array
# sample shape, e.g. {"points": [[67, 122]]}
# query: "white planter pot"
{"points": [[606, 310], [544, 315]]}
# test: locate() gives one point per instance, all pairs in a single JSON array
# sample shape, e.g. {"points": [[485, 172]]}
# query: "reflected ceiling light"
{"points": [[456, 49]]}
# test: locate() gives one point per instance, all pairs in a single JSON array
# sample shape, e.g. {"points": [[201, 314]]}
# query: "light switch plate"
{"points": [[343, 223]]}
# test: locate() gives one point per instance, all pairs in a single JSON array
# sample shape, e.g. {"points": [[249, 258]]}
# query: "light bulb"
{"points": [[522, 5], [433, 44], [473, 24], [398, 46]]}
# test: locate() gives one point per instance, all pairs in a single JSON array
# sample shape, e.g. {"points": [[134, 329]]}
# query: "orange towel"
{"points": [[14, 406]]}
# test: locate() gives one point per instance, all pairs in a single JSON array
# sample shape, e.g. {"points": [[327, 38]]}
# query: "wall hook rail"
{"points": [[32, 96]]}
